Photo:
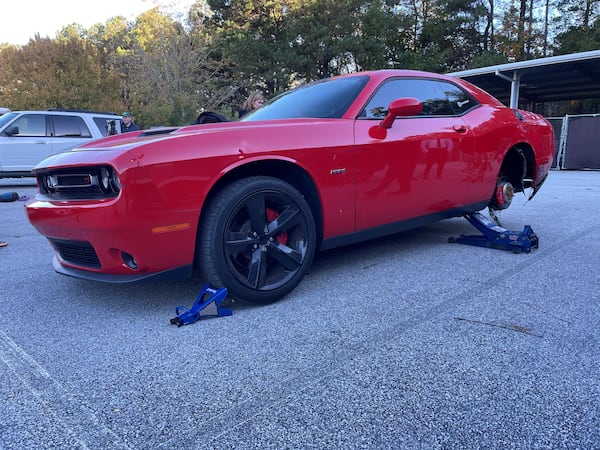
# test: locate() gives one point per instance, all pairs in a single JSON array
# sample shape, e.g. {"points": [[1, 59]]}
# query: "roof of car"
{"points": [[378, 76], [85, 111], [385, 73], [67, 111]]}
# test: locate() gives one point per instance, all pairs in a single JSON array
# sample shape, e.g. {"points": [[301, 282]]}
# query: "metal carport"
{"points": [[564, 77]]}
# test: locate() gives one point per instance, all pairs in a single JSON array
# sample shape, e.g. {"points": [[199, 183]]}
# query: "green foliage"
{"points": [[252, 37], [61, 73], [579, 39], [489, 58]]}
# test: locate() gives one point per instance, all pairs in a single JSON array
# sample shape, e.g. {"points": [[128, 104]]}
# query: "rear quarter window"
{"points": [[460, 101], [107, 127]]}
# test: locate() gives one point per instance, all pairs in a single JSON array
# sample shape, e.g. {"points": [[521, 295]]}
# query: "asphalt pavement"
{"points": [[403, 342]]}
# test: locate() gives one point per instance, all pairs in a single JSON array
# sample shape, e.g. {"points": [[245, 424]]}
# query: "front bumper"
{"points": [[111, 242]]}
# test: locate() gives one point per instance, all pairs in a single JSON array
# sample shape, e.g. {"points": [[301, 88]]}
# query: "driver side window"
{"points": [[31, 125], [429, 92]]}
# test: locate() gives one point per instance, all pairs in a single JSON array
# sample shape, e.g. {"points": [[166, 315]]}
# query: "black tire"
{"points": [[257, 239]]}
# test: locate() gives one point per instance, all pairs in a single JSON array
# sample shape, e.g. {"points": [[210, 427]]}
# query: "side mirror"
{"points": [[401, 107], [11, 131]]}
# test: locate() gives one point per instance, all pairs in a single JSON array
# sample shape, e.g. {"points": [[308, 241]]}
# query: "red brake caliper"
{"points": [[282, 238]]}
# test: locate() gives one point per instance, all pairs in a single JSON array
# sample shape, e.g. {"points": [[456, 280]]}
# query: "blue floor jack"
{"points": [[495, 236], [207, 304]]}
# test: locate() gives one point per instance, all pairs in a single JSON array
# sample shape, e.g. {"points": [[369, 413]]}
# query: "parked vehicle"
{"points": [[246, 205], [28, 137]]}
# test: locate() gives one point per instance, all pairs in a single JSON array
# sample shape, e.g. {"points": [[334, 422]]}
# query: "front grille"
{"points": [[77, 252]]}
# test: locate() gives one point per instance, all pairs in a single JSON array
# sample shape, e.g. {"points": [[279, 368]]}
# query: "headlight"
{"points": [[105, 176], [108, 180], [116, 183]]}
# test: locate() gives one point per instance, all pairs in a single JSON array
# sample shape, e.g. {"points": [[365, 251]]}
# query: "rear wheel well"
{"points": [[283, 170], [515, 175], [517, 167]]}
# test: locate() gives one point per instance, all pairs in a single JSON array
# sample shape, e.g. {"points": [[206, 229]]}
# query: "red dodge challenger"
{"points": [[246, 205]]}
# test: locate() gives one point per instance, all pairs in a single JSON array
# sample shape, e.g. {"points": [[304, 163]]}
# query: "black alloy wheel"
{"points": [[258, 239]]}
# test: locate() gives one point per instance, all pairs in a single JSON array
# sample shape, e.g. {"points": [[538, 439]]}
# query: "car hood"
{"points": [[132, 140], [224, 138]]}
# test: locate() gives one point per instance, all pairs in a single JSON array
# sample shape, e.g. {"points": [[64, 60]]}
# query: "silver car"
{"points": [[28, 137]]}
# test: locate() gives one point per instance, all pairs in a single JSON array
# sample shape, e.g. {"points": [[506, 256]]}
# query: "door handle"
{"points": [[460, 128], [40, 142]]}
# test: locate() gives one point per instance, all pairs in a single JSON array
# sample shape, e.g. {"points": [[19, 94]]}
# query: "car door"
{"points": [[417, 168], [67, 131], [24, 143]]}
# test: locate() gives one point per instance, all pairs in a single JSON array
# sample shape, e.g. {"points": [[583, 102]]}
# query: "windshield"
{"points": [[324, 99], [5, 118]]}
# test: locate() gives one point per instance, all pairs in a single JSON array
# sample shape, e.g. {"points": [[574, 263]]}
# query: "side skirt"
{"points": [[397, 227]]}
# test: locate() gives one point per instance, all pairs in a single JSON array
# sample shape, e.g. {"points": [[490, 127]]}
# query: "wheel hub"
{"points": [[504, 194]]}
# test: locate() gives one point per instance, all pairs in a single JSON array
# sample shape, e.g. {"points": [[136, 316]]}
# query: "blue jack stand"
{"points": [[207, 304], [494, 236]]}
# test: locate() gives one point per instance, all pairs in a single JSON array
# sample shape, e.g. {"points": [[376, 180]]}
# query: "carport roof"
{"points": [[564, 77]]}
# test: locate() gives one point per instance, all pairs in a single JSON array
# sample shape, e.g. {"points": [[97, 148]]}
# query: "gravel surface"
{"points": [[401, 342]]}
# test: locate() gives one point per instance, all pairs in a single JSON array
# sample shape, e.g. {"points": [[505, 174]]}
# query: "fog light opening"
{"points": [[129, 261]]}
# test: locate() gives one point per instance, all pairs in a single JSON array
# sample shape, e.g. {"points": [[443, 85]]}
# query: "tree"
{"points": [[451, 34], [578, 39], [577, 13], [327, 37], [251, 36], [170, 81], [63, 73]]}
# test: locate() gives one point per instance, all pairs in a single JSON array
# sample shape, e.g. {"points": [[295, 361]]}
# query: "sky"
{"points": [[21, 21]]}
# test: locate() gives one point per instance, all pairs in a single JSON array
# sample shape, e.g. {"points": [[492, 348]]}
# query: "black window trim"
{"points": [[437, 80]]}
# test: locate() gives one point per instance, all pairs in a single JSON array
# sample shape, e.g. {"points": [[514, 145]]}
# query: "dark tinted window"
{"points": [[460, 101], [323, 99], [434, 95], [70, 126], [30, 125]]}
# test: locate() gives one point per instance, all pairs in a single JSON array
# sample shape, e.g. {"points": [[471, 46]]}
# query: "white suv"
{"points": [[28, 137]]}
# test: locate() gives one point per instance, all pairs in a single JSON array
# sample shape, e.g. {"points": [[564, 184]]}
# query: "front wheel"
{"points": [[258, 239]]}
